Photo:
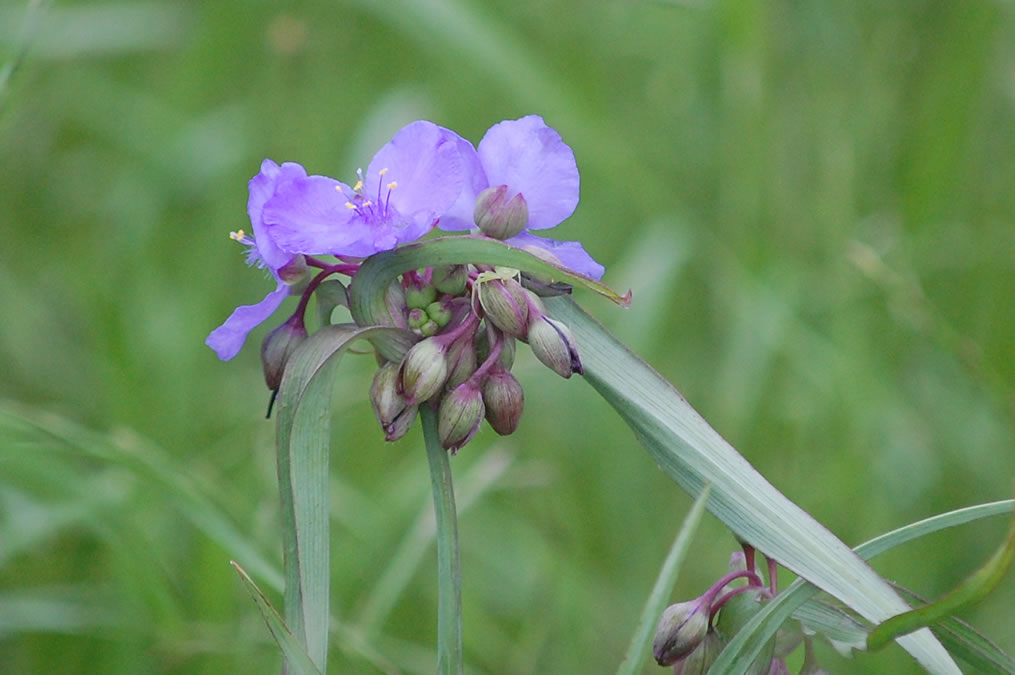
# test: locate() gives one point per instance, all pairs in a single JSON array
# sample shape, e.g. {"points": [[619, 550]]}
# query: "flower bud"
{"points": [[507, 349], [505, 304], [387, 402], [417, 317], [500, 217], [459, 416], [278, 346], [418, 293], [461, 361], [400, 425], [294, 272], [552, 343], [429, 329], [450, 279], [701, 659], [440, 312], [423, 371], [682, 627], [394, 299], [504, 400]]}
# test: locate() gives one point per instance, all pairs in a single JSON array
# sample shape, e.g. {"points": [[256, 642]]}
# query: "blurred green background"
{"points": [[814, 204]]}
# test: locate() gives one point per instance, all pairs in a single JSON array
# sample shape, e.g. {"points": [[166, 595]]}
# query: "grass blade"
{"points": [[634, 660]]}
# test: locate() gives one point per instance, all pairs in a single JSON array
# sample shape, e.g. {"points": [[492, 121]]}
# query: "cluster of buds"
{"points": [[691, 634], [470, 319]]}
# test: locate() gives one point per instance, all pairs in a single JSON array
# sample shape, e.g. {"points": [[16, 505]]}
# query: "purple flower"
{"points": [[228, 339], [410, 182], [532, 161]]}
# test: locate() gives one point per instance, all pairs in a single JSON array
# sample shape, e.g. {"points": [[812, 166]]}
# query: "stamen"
{"points": [[367, 203], [238, 235], [350, 206], [392, 185], [382, 172], [358, 186]]}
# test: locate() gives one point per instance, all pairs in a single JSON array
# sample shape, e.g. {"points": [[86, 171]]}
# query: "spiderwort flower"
{"points": [[530, 159], [408, 184], [286, 266]]}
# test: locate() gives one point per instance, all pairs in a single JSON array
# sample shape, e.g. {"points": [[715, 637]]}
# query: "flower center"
{"points": [[378, 209]]}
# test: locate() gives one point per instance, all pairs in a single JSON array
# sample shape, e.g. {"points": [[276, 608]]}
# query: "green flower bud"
{"points": [[387, 402], [418, 293], [736, 612], [504, 400], [507, 350], [552, 343], [459, 416], [702, 658], [278, 346], [400, 425], [440, 312], [450, 279], [500, 217], [417, 317], [506, 305], [429, 329], [423, 370], [461, 362], [682, 627]]}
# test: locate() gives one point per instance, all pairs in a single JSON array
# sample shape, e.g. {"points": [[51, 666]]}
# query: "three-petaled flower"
{"points": [[530, 159]]}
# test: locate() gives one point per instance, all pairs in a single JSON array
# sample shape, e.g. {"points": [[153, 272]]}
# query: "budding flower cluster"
{"points": [[469, 320]]}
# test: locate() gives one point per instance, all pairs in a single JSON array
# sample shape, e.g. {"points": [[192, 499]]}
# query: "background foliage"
{"points": [[814, 205]]}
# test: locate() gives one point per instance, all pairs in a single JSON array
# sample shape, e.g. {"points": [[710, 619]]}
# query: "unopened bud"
{"points": [[506, 306], [450, 279], [504, 400], [394, 300], [278, 346], [552, 343], [423, 371], [682, 627], [460, 414], [461, 362], [418, 293], [294, 272], [429, 329], [393, 413], [507, 350], [500, 217], [440, 312], [701, 659], [417, 317]]}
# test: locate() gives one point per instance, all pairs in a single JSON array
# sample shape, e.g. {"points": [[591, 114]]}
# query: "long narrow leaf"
{"points": [[303, 436], [297, 660], [692, 454], [634, 660]]}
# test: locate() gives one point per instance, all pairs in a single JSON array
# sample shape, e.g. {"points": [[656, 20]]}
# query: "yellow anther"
{"points": [[238, 235], [350, 206], [382, 172], [367, 203], [358, 186], [392, 185]]}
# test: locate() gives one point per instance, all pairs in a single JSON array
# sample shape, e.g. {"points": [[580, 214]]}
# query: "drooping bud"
{"points": [[507, 350], [450, 279], [506, 306], [681, 629], [418, 293], [423, 371], [278, 346], [552, 343], [460, 414], [701, 659], [294, 272], [504, 400], [461, 361], [440, 312], [499, 217], [393, 413]]}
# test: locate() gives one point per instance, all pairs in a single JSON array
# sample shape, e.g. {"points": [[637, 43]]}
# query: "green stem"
{"points": [[449, 575]]}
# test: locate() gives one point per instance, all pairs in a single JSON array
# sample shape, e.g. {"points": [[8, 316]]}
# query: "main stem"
{"points": [[449, 574]]}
